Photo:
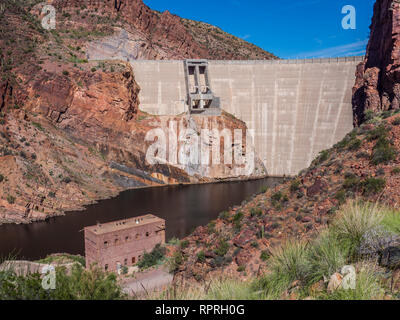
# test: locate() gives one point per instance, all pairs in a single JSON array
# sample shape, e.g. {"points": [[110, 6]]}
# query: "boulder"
{"points": [[390, 258]]}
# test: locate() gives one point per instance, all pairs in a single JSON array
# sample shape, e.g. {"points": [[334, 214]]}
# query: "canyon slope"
{"points": [[71, 131]]}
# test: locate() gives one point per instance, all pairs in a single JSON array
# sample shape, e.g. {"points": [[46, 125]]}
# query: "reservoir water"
{"points": [[183, 207]]}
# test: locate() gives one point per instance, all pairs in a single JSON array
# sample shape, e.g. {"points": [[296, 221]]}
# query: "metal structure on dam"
{"points": [[296, 107]]}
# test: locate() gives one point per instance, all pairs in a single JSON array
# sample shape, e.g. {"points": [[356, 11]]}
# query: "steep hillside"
{"points": [[366, 164], [154, 35], [221, 44]]}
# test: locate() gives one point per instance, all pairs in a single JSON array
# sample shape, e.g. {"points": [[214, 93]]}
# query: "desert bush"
{"points": [[81, 284], [391, 220], [379, 132], [11, 199], [354, 220], [290, 259], [224, 215], [175, 262], [372, 186], [231, 290], [201, 257], [222, 248], [295, 185], [383, 152], [153, 258], [396, 121], [396, 171], [1, 178], [326, 256], [355, 145]]}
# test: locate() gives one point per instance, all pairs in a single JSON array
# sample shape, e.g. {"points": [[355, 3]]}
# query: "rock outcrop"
{"points": [[377, 85], [155, 35]]}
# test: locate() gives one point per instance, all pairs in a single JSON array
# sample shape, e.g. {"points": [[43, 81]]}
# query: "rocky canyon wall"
{"points": [[377, 85]]}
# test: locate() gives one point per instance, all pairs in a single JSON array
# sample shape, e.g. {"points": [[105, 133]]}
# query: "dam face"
{"points": [[297, 108]]}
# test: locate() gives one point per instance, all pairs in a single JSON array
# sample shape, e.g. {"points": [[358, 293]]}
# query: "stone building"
{"points": [[122, 243]]}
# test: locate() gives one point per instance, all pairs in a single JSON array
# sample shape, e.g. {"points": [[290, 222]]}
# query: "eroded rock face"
{"points": [[148, 34], [377, 85]]}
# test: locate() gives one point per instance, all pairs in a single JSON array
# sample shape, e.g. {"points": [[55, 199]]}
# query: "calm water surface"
{"points": [[183, 207]]}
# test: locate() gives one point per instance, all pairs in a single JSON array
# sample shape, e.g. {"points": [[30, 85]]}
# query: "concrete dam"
{"points": [[297, 108]]}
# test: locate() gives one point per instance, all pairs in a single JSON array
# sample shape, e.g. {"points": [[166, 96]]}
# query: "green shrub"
{"points": [[372, 186], [369, 115], [176, 261], [153, 258], [241, 269], [201, 257], [290, 259], [81, 284], [323, 156], [326, 256], [278, 198], [1, 178], [379, 132], [346, 140], [354, 221], [391, 220], [396, 121], [352, 183], [224, 215], [264, 255], [341, 196], [65, 73], [355, 145], [211, 227], [11, 199], [222, 248], [396, 171], [238, 216], [184, 244], [295, 186], [254, 212], [383, 152], [229, 290]]}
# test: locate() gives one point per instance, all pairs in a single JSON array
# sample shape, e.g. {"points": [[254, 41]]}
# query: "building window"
{"points": [[106, 267], [116, 241], [147, 234], [137, 236], [105, 243], [133, 260], [125, 262], [127, 238]]}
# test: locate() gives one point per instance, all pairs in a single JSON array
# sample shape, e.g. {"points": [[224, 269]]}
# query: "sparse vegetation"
{"points": [[153, 258]]}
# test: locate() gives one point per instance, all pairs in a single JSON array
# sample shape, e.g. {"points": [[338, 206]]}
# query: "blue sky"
{"points": [[288, 28]]}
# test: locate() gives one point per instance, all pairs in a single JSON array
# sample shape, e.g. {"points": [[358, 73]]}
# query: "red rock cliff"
{"points": [[377, 85]]}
